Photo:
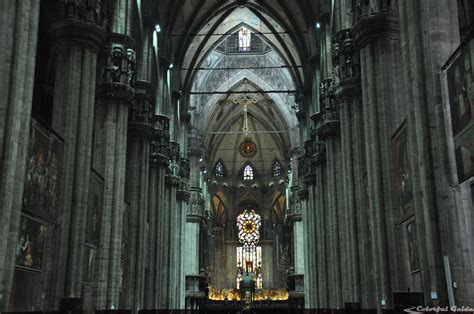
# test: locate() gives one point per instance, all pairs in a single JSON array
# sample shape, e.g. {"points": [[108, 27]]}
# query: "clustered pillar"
{"points": [[78, 42], [140, 134], [115, 95], [156, 193], [19, 24]]}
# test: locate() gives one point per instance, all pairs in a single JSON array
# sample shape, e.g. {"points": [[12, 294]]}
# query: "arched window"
{"points": [[276, 169], [248, 172], [244, 39], [219, 169]]}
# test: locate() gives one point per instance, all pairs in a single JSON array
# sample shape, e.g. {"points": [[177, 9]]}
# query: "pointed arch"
{"points": [[247, 172], [278, 207], [218, 211]]}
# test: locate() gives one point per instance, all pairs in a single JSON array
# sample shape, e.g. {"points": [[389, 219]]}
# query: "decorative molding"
{"points": [[370, 27], [172, 180], [183, 195], [76, 32], [141, 116], [303, 194]]}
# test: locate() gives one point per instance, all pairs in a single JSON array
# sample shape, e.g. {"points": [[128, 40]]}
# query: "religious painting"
{"points": [[88, 265], [94, 212], [464, 153], [461, 89], [460, 76], [42, 172], [412, 247], [30, 246], [403, 178]]}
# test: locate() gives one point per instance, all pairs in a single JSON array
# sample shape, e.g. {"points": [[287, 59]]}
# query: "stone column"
{"points": [[377, 39], [115, 94], [140, 133], [169, 235], [194, 216], [19, 25], [347, 92], [318, 161], [182, 198], [303, 198], [307, 171], [172, 268], [195, 211], [77, 40], [429, 36], [157, 196], [328, 129], [296, 220], [309, 284]]}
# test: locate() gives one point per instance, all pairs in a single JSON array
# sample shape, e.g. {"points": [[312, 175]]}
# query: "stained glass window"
{"points": [[255, 265], [249, 224], [276, 169], [248, 172], [249, 255], [244, 39], [219, 169]]}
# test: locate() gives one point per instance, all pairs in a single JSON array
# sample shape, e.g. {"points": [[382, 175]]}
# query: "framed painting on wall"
{"points": [[412, 247], [460, 81], [89, 263], [403, 177], [94, 211], [42, 172], [30, 246]]}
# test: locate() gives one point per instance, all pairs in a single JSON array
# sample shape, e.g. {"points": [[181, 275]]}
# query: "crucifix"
{"points": [[245, 100]]}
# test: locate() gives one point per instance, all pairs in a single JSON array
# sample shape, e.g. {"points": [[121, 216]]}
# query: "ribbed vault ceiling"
{"points": [[195, 29]]}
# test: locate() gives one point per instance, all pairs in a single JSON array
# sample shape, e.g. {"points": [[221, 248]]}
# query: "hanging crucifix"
{"points": [[245, 100]]}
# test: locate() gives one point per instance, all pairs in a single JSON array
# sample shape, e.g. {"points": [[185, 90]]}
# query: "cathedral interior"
{"points": [[236, 154]]}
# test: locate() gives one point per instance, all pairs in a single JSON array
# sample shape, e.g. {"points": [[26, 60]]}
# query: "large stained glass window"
{"points": [[276, 169], [249, 224], [248, 172], [219, 169], [252, 261], [249, 255], [244, 39]]}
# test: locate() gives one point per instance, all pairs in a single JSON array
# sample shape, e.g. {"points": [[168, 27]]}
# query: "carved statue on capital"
{"points": [[345, 57], [120, 65], [91, 11]]}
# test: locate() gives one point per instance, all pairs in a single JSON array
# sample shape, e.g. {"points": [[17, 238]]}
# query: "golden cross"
{"points": [[245, 100]]}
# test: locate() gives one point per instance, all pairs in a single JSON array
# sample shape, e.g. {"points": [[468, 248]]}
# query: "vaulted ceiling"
{"points": [[196, 26]]}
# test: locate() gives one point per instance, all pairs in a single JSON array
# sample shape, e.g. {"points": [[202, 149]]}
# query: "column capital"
{"points": [[346, 66], [185, 116], [327, 121], [184, 168], [118, 69], [183, 195], [76, 32], [193, 218], [172, 180], [303, 194], [141, 116], [159, 160], [295, 217], [370, 27]]}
